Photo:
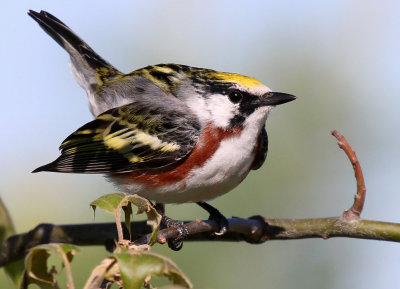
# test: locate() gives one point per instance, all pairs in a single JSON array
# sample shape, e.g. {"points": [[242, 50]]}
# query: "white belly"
{"points": [[223, 172]]}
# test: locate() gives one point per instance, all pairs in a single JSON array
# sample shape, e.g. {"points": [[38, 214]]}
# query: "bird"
{"points": [[170, 133]]}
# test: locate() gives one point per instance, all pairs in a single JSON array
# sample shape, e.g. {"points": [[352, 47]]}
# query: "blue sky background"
{"points": [[342, 60]]}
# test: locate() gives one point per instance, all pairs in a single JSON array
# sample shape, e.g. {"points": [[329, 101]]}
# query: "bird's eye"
{"points": [[235, 96]]}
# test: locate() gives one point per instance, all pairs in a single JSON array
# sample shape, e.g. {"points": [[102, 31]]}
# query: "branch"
{"points": [[253, 230]]}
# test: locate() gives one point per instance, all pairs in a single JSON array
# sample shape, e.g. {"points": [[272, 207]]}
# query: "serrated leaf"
{"points": [[136, 267], [108, 203], [37, 272]]}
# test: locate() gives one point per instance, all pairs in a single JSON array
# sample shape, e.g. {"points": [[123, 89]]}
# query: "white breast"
{"points": [[229, 165]]}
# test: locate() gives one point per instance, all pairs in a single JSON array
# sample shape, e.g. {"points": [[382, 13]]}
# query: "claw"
{"points": [[216, 216], [223, 225], [176, 243]]}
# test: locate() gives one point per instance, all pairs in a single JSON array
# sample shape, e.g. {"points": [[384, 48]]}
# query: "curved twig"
{"points": [[359, 198]]}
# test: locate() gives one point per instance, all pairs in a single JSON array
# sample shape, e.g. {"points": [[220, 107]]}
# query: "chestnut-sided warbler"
{"points": [[170, 133]]}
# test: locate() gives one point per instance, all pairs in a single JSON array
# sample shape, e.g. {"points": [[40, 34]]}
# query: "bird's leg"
{"points": [[216, 216], [177, 243], [160, 208]]}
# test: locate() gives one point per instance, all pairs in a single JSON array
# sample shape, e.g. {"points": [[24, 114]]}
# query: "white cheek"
{"points": [[198, 106], [221, 109], [195, 102], [217, 109]]}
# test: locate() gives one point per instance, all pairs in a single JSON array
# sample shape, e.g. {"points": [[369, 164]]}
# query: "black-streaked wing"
{"points": [[262, 150], [141, 135]]}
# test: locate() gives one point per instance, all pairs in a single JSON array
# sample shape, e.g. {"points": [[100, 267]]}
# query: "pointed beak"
{"points": [[275, 98]]}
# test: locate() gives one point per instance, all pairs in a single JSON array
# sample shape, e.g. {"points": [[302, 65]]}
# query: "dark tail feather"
{"points": [[85, 61], [46, 168], [57, 168]]}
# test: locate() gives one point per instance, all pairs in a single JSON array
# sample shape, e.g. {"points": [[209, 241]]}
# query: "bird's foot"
{"points": [[216, 216], [176, 243]]}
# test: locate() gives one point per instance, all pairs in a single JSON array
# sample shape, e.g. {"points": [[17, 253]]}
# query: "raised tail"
{"points": [[90, 70]]}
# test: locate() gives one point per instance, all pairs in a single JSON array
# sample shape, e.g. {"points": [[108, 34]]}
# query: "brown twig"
{"points": [[359, 198]]}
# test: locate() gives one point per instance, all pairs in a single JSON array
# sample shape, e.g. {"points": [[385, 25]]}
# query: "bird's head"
{"points": [[227, 100]]}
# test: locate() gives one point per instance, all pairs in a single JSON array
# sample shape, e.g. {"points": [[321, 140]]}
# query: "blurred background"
{"points": [[342, 60]]}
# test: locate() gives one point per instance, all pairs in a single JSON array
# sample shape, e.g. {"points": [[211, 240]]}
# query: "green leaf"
{"points": [[128, 213], [144, 206], [108, 203], [6, 225], [15, 269], [36, 271], [113, 203], [136, 267]]}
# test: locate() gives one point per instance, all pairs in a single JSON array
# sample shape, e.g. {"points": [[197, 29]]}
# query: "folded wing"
{"points": [[139, 136]]}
